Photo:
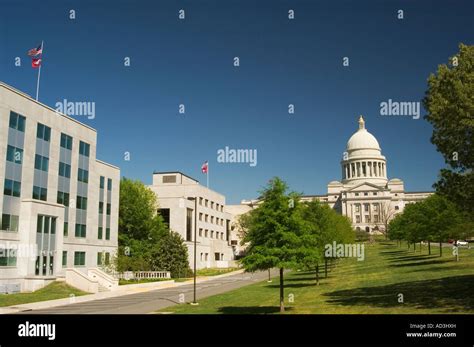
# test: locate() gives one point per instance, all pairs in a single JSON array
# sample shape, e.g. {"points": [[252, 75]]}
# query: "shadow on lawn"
{"points": [[252, 309], [413, 257], [422, 263], [453, 294]]}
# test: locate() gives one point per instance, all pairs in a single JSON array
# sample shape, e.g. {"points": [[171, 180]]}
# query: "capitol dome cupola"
{"points": [[363, 159]]}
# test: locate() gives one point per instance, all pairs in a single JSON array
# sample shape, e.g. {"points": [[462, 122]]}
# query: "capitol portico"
{"points": [[364, 194]]}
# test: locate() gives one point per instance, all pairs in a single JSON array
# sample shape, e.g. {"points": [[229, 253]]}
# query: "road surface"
{"points": [[154, 300]]}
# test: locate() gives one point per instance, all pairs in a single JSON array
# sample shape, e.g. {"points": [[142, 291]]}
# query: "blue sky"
{"points": [[282, 62]]}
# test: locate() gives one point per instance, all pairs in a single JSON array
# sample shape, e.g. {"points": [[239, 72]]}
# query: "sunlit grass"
{"points": [[428, 284], [55, 290]]}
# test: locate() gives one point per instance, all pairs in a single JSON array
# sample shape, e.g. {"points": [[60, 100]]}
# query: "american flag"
{"points": [[204, 167], [36, 51]]}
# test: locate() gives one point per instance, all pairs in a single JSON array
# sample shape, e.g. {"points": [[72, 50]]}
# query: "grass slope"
{"points": [[429, 284], [55, 290]]}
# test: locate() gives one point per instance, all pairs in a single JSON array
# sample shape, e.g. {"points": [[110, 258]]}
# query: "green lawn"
{"points": [[429, 284], [55, 290], [144, 280]]}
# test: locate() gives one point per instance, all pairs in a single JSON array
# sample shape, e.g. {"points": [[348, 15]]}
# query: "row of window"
{"points": [[367, 219], [102, 183], [218, 235], [43, 132], [13, 188], [103, 258], [219, 221], [101, 208], [8, 258], [10, 223], [217, 256], [211, 204]]}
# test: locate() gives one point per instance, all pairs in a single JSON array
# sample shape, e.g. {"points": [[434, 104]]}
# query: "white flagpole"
{"points": [[207, 174], [39, 72]]}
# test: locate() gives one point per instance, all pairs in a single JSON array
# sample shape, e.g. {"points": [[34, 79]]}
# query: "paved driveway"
{"points": [[157, 299]]}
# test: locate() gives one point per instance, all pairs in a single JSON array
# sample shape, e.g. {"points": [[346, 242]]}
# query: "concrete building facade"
{"points": [[58, 203], [184, 205]]}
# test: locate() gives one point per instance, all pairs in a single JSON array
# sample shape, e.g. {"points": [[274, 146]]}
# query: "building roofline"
{"points": [[23, 94], [108, 164], [174, 172]]}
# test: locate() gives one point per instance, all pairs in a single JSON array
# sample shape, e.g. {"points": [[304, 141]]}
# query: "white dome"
{"points": [[362, 139]]}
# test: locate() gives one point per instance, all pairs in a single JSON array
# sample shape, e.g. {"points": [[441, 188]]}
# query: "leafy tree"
{"points": [[276, 233], [325, 226], [450, 107], [434, 219], [171, 254], [140, 227]]}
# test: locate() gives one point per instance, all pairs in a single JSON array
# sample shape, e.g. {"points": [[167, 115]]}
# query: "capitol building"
{"points": [[364, 194]]}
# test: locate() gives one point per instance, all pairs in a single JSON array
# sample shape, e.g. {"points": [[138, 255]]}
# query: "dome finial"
{"points": [[361, 123]]}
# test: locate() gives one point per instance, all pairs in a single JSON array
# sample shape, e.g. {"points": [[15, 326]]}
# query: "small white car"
{"points": [[462, 243]]}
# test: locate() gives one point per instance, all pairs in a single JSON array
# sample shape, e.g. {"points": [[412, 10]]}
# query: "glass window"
{"points": [[102, 182], [43, 132], [99, 235], [7, 257], [64, 170], [101, 207], [81, 203], [64, 258], [41, 163], [84, 148], [83, 176], [17, 121], [12, 188], [15, 155], [79, 258], [66, 141], [107, 258], [80, 230], [10, 222], [40, 193], [63, 198], [99, 258], [53, 225], [108, 209], [107, 233], [109, 184], [66, 227]]}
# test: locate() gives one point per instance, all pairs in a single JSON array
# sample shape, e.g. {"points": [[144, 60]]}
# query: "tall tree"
{"points": [[450, 108], [140, 227], [275, 233], [171, 254]]}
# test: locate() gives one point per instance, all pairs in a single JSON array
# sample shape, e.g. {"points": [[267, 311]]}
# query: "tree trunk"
{"points": [[440, 248], [429, 247], [408, 245], [414, 246], [317, 275], [282, 293], [325, 268]]}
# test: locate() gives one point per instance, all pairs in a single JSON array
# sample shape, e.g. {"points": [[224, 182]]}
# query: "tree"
{"points": [[140, 227], [275, 233], [324, 226], [386, 214], [433, 219], [450, 108], [171, 254]]}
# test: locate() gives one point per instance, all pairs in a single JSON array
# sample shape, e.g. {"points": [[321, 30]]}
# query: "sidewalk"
{"points": [[121, 291]]}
